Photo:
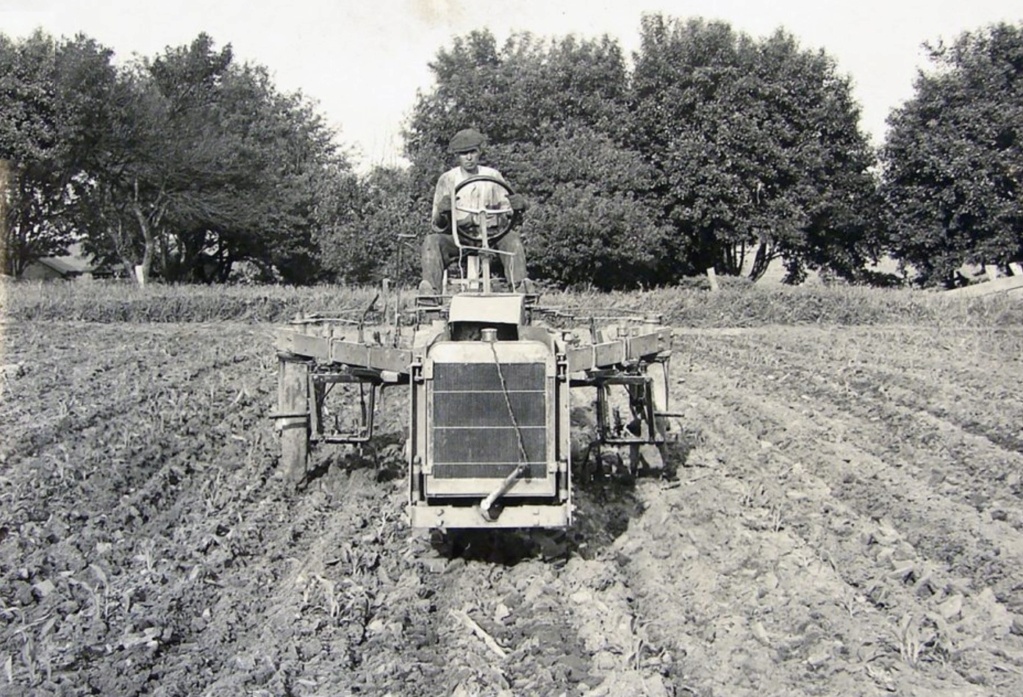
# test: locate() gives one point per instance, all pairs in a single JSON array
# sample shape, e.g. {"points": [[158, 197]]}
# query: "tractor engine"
{"points": [[490, 420]]}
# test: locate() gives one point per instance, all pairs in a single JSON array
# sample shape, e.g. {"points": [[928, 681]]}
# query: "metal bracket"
{"points": [[320, 385]]}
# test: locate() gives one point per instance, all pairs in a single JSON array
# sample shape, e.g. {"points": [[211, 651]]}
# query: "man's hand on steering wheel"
{"points": [[518, 203], [443, 217]]}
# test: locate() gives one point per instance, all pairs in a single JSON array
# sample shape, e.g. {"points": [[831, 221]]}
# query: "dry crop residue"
{"points": [[848, 521]]}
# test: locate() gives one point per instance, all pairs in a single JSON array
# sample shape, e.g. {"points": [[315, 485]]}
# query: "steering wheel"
{"points": [[502, 218]]}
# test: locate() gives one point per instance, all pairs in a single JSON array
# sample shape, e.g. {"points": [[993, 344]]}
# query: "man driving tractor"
{"points": [[439, 247]]}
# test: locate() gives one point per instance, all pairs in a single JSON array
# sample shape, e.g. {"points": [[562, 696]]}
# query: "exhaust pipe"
{"points": [[509, 481]]}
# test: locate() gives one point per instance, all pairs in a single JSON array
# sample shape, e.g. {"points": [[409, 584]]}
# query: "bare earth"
{"points": [[845, 517]]}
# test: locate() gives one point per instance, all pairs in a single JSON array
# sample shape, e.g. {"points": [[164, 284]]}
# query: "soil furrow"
{"points": [[799, 486], [846, 522]]}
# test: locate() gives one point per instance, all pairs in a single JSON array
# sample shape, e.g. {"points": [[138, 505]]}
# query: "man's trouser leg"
{"points": [[438, 251], [515, 263]]}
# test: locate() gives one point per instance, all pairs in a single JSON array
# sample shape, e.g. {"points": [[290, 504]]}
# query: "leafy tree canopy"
{"points": [[52, 95], [953, 158], [368, 228], [757, 146], [556, 116], [214, 166]]}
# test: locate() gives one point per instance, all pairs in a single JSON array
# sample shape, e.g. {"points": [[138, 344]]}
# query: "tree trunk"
{"points": [[147, 225], [120, 237], [168, 261], [150, 243], [225, 269], [21, 224], [5, 236], [761, 261], [122, 243]]}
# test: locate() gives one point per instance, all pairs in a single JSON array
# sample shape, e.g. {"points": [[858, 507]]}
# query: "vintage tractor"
{"points": [[489, 381]]}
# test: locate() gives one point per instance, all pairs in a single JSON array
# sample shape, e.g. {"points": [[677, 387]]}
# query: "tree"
{"points": [[368, 227], [210, 166], [525, 92], [593, 223], [51, 93], [556, 115], [953, 157], [757, 147]]}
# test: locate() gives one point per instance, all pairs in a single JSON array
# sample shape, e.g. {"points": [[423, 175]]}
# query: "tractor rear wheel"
{"points": [[293, 401]]}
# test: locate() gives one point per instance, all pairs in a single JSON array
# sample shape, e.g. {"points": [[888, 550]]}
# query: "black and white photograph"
{"points": [[467, 348]]}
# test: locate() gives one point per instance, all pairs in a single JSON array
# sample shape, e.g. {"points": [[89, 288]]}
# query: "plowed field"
{"points": [[845, 519]]}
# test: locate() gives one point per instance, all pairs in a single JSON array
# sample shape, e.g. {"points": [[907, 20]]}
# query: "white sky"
{"points": [[363, 60]]}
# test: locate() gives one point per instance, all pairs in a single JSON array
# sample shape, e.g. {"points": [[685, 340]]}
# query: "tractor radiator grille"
{"points": [[474, 435]]}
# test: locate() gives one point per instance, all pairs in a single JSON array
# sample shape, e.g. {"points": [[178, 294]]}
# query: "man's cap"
{"points": [[465, 140]]}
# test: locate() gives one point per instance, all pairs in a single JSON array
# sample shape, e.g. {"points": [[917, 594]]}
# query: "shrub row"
{"points": [[740, 305], [755, 306], [121, 302]]}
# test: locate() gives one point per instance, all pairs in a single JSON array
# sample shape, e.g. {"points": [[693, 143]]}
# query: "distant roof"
{"points": [[67, 264]]}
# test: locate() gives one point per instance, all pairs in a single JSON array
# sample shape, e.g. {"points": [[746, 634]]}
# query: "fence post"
{"points": [[712, 275]]}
